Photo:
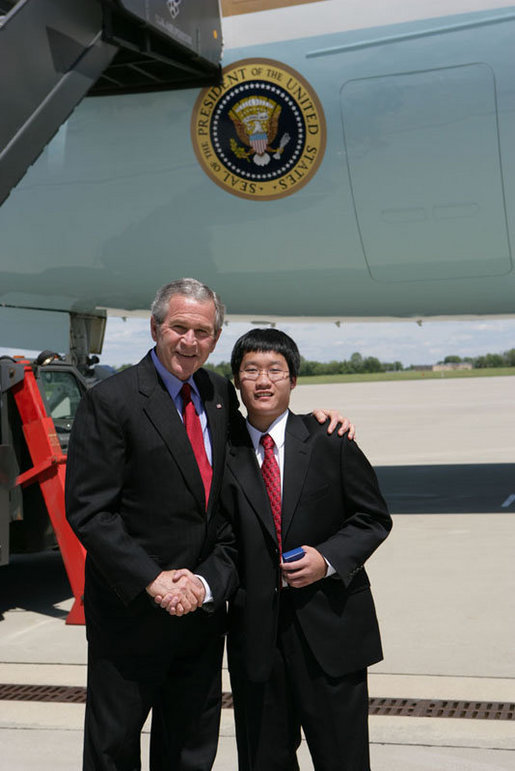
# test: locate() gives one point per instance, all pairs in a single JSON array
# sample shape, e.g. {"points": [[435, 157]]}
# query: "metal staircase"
{"points": [[53, 52]]}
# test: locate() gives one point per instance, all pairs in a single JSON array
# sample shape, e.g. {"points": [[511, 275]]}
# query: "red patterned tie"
{"points": [[194, 431], [272, 477]]}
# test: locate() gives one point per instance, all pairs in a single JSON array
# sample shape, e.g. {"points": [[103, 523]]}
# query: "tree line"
{"points": [[358, 364], [506, 359]]}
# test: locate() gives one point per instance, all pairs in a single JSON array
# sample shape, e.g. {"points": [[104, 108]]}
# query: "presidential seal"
{"points": [[261, 134]]}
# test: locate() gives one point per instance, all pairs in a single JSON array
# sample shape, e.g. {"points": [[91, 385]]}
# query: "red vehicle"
{"points": [[38, 401]]}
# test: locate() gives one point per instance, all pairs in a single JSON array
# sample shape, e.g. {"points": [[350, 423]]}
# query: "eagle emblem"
{"points": [[256, 122], [260, 133]]}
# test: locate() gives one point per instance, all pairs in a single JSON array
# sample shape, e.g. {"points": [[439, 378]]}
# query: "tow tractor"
{"points": [[38, 401]]}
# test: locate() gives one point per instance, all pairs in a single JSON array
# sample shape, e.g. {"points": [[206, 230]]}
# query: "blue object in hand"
{"points": [[293, 555]]}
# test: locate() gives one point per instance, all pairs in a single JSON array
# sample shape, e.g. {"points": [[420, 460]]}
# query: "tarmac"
{"points": [[443, 583]]}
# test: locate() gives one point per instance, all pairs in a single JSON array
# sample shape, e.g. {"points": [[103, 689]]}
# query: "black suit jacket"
{"points": [[331, 501], [135, 498]]}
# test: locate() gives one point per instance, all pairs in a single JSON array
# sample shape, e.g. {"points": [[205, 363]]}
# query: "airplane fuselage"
{"points": [[407, 211]]}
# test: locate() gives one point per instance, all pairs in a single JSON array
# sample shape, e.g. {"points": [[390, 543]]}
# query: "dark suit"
{"points": [[135, 498], [331, 501]]}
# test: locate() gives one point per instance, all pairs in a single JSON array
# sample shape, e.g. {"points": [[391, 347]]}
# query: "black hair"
{"points": [[263, 340]]}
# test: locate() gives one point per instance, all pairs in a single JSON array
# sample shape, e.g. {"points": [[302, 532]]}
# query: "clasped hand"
{"points": [[177, 591]]}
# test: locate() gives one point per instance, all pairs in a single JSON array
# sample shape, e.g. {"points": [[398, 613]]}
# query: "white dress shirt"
{"points": [[277, 431]]}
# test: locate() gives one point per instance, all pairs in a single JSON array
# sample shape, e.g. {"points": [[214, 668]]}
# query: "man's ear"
{"points": [[293, 383], [237, 381], [153, 328]]}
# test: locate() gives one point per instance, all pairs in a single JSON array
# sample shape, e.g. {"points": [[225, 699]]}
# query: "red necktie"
{"points": [[194, 431], [272, 477]]}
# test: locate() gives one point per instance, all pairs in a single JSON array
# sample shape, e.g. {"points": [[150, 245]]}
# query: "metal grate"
{"points": [[475, 710], [64, 693]]}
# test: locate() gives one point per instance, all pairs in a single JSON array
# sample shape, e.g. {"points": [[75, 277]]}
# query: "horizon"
{"points": [[403, 341], [126, 342]]}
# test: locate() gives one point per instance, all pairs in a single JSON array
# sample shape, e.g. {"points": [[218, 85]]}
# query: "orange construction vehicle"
{"points": [[38, 401]]}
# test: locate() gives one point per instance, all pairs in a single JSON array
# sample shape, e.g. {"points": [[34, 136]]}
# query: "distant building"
{"points": [[453, 365]]}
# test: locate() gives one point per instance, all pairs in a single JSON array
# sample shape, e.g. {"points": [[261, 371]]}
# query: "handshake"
{"points": [[177, 591]]}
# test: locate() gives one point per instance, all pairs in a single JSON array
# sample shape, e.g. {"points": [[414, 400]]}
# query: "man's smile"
{"points": [[263, 395]]}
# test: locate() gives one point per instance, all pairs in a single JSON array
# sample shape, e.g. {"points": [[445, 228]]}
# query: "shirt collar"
{"points": [[276, 430], [172, 383]]}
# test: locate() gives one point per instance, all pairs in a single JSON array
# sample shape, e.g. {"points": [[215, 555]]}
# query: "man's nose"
{"points": [[263, 376], [189, 337]]}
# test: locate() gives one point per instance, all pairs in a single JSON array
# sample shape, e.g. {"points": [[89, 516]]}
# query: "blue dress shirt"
{"points": [[173, 386]]}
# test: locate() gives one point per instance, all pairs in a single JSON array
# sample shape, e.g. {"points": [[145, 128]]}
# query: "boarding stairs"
{"points": [[54, 52]]}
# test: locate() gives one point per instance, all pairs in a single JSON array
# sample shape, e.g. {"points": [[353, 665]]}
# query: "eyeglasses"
{"points": [[274, 373]]}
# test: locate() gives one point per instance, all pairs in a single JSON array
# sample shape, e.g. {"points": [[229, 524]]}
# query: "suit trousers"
{"points": [[333, 712], [183, 689]]}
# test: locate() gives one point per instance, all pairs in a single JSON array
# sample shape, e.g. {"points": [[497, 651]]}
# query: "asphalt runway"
{"points": [[443, 583], [468, 488]]}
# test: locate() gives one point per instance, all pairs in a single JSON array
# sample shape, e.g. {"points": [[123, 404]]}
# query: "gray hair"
{"points": [[187, 287]]}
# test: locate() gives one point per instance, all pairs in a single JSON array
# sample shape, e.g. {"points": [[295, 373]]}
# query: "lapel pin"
{"points": [[218, 406]]}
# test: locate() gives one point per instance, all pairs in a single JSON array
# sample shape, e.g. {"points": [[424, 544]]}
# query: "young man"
{"points": [[301, 633]]}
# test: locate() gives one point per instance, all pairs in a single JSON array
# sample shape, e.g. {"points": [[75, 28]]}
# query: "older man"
{"points": [[144, 473]]}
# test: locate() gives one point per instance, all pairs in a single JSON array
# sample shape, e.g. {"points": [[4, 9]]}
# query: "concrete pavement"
{"points": [[443, 583]]}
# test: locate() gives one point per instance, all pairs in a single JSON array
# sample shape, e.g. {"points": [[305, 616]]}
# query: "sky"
{"points": [[127, 341]]}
